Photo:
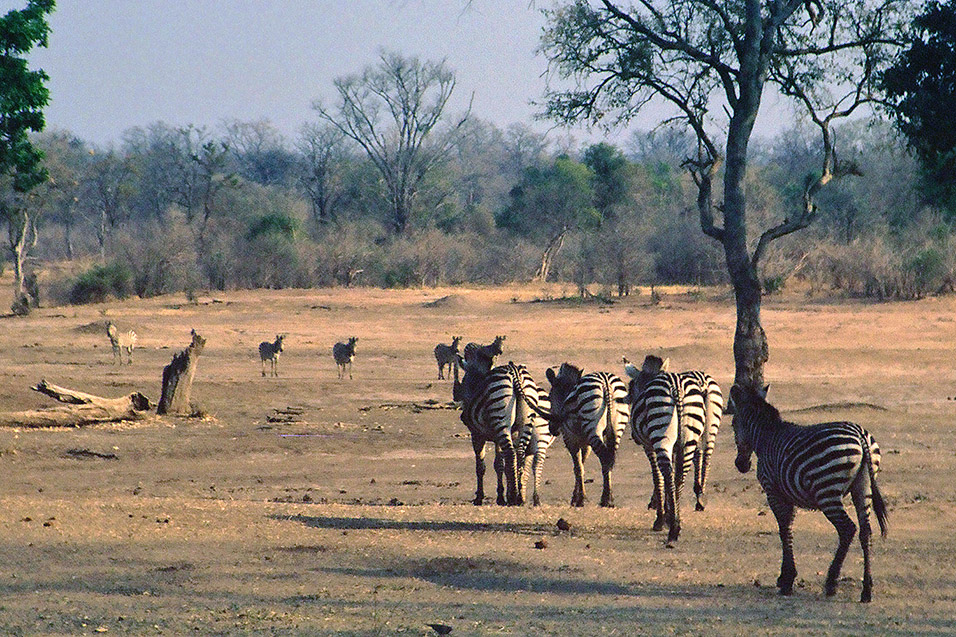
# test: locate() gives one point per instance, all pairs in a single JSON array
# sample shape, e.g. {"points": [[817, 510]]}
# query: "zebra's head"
{"points": [[278, 343], [562, 384], [653, 365], [455, 340], [751, 412]]}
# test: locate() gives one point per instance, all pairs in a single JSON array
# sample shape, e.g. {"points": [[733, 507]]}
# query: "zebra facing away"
{"points": [[343, 353], [811, 467], [490, 351], [497, 407], [713, 411], [121, 342], [270, 352], [591, 412], [447, 355], [668, 418]]}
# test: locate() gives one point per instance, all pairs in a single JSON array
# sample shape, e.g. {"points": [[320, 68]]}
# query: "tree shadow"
{"points": [[445, 526]]}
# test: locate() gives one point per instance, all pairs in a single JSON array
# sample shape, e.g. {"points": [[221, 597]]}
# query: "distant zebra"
{"points": [[495, 408], [668, 418], [490, 351], [811, 467], [536, 449], [343, 353], [713, 411], [121, 342], [591, 412], [447, 355], [270, 352]]}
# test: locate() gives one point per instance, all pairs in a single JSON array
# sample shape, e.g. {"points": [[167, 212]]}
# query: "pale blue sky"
{"points": [[115, 64]]}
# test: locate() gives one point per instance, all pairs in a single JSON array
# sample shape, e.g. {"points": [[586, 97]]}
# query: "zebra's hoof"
{"points": [[658, 525], [699, 507], [866, 597], [478, 501], [786, 592]]}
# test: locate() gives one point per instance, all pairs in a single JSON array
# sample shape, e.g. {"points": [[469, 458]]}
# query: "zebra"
{"points": [[591, 412], [668, 418], [121, 342], [491, 351], [811, 467], [714, 409], [447, 355], [270, 352], [495, 408], [343, 353]]}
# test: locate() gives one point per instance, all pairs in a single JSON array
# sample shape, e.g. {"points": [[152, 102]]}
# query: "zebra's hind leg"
{"points": [[479, 447], [577, 460], [606, 456], [499, 465], [862, 505], [699, 477], [671, 515], [846, 529], [783, 511]]}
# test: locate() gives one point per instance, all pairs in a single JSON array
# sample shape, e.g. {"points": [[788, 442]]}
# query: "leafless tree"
{"points": [[392, 112]]}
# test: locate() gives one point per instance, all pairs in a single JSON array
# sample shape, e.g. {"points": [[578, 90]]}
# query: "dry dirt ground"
{"points": [[349, 513]]}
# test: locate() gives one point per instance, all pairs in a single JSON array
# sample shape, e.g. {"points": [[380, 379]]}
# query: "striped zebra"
{"points": [[497, 407], [121, 342], [668, 418], [270, 352], [447, 355], [811, 467], [344, 353], [536, 448], [490, 351], [591, 412], [713, 411]]}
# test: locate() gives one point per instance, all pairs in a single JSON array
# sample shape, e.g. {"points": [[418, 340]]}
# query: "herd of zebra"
{"points": [[343, 353], [674, 418]]}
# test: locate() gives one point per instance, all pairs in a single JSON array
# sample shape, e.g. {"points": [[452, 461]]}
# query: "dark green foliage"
{"points": [[274, 225], [102, 282], [23, 94], [550, 198], [921, 88]]}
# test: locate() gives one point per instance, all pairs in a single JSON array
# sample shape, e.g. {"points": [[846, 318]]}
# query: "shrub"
{"points": [[102, 282]]}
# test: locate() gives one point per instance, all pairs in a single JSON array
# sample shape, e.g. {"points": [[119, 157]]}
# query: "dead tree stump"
{"points": [[178, 379]]}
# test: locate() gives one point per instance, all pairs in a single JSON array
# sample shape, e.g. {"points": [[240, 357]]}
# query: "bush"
{"points": [[102, 282]]}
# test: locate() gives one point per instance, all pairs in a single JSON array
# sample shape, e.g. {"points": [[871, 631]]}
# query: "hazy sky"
{"points": [[114, 64]]}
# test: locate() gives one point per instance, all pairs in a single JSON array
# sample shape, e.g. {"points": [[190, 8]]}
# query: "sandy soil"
{"points": [[349, 514]]}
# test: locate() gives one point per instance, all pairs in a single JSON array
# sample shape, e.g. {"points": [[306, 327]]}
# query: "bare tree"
{"points": [[105, 192], [392, 111], [711, 62], [323, 152]]}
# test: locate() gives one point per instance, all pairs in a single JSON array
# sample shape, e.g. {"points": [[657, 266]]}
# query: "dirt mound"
{"points": [[453, 302], [91, 328], [841, 406]]}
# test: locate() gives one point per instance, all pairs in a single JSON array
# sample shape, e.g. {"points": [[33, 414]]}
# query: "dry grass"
{"points": [[345, 516]]}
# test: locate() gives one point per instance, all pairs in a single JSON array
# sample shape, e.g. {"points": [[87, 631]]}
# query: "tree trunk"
{"points": [[178, 379], [554, 245]]}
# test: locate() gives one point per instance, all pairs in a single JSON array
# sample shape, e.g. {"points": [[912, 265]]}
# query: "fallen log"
{"points": [[83, 409]]}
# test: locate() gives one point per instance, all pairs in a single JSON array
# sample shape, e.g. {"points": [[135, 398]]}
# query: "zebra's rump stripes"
{"points": [[495, 408], [591, 411]]}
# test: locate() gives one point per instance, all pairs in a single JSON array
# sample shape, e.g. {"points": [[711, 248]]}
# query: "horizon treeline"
{"points": [[184, 209]]}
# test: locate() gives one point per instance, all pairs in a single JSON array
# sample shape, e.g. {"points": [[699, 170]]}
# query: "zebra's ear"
{"points": [[665, 364], [766, 389], [632, 371], [550, 374]]}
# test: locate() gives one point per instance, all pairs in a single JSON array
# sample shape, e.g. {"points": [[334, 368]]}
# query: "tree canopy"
{"points": [[921, 92]]}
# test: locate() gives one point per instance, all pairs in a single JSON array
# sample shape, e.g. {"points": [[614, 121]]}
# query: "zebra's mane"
{"points": [[765, 413]]}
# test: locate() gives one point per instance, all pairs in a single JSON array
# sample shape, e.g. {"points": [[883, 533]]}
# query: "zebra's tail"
{"points": [[609, 432], [879, 506]]}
